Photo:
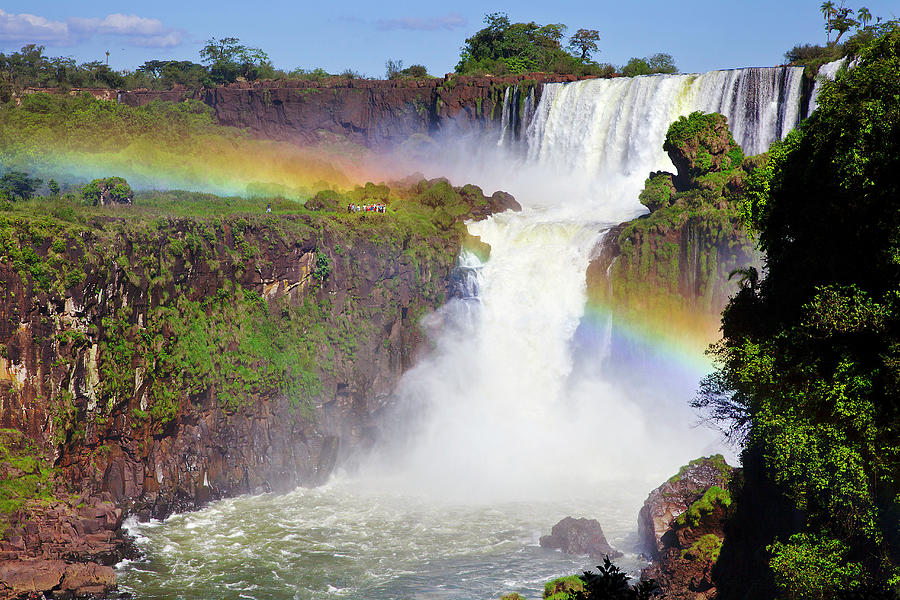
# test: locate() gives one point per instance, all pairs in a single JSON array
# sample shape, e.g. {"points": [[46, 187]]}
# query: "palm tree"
{"points": [[827, 9], [749, 277], [864, 16]]}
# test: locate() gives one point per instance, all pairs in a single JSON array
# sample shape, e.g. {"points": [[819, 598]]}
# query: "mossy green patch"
{"points": [[704, 506], [707, 548], [561, 587], [26, 475]]}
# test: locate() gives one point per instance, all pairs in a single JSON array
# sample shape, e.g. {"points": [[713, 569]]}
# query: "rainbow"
{"points": [[675, 337]]}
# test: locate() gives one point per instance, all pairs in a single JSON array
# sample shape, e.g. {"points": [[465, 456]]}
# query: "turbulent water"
{"points": [[526, 411], [346, 541]]}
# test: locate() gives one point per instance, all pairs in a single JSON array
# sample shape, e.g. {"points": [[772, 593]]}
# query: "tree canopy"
{"points": [[505, 47], [228, 59], [809, 365]]}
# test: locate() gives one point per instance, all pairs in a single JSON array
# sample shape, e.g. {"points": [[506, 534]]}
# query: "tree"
{"points": [[841, 21], [17, 184], [827, 9], [864, 16], [108, 190], [393, 68], [810, 356], [636, 66], [228, 59], [662, 63], [503, 47], [53, 187], [585, 41], [415, 71]]}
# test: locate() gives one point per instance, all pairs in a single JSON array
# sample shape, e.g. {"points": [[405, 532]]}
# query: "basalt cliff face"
{"points": [[151, 364], [674, 269], [376, 114]]}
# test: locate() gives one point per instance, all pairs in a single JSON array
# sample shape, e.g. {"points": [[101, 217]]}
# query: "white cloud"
{"points": [[118, 24], [449, 22], [139, 31], [31, 28]]}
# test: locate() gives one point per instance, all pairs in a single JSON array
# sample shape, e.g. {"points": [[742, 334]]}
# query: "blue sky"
{"points": [[701, 35]]}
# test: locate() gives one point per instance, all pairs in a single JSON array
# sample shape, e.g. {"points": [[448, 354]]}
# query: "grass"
{"points": [[26, 476], [226, 338]]}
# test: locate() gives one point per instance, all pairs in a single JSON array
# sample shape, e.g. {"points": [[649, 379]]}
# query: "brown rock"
{"points": [[675, 496], [32, 575], [579, 536], [84, 578]]}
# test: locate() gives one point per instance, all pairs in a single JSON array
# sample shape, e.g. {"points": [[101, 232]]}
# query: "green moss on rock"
{"points": [[561, 587], [704, 506], [707, 548]]}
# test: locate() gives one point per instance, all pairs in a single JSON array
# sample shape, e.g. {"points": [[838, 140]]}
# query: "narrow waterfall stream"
{"points": [[521, 415]]}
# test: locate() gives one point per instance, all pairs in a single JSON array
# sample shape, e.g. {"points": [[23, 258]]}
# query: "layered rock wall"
{"points": [[376, 114]]}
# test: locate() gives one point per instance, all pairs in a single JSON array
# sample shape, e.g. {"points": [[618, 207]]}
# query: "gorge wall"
{"points": [[367, 112], [154, 363]]}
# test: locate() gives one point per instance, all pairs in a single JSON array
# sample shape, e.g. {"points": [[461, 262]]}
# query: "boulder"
{"points": [[675, 496], [20, 577], [699, 144], [579, 536], [682, 527], [88, 578]]}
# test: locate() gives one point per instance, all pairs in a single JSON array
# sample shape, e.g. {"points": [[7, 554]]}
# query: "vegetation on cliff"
{"points": [[840, 19], [673, 264], [76, 138], [181, 298], [504, 47], [808, 368]]}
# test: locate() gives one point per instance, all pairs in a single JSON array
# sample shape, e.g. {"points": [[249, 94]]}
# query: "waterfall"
{"points": [[511, 403], [516, 114], [619, 125], [827, 72]]}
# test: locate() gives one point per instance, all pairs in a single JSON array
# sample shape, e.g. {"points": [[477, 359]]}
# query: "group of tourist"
{"points": [[379, 208]]}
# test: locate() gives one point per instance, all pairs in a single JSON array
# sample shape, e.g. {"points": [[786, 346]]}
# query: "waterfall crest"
{"points": [[511, 402], [619, 125]]}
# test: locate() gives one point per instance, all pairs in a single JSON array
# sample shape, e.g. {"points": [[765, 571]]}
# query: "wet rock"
{"points": [[675, 496], [377, 114], [579, 536], [682, 526]]}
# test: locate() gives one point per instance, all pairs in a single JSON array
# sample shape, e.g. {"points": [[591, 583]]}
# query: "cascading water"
{"points": [[511, 423], [827, 72]]}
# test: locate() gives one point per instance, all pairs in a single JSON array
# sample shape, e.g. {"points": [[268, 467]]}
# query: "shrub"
{"points": [[109, 190], [658, 191]]}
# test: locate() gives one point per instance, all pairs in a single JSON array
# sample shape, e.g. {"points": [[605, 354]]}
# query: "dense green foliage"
{"points": [[610, 583], [29, 67], [561, 587], [230, 342], [24, 474], [809, 367], [657, 63], [707, 548], [17, 185], [813, 56], [228, 59], [84, 123], [704, 506], [504, 47], [107, 189], [77, 138], [674, 264]]}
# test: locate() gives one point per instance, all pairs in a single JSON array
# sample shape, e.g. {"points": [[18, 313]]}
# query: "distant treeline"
{"points": [[224, 60], [500, 48]]}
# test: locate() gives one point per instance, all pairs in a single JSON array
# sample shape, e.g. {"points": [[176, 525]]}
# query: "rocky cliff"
{"points": [[671, 269], [376, 114], [681, 527], [155, 362]]}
